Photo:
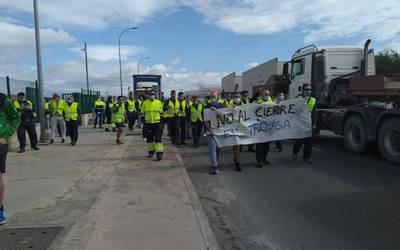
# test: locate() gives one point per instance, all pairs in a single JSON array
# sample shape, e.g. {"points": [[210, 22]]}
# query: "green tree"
{"points": [[388, 63]]}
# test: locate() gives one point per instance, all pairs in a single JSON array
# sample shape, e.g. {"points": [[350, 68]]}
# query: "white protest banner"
{"points": [[256, 123]]}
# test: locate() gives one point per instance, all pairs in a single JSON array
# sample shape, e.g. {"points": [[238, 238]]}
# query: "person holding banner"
{"points": [[236, 149], [214, 151], [247, 100], [279, 98], [262, 149], [307, 142]]}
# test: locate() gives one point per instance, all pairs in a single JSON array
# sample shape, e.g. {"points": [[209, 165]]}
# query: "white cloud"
{"points": [[13, 35], [319, 20], [103, 52], [96, 14]]}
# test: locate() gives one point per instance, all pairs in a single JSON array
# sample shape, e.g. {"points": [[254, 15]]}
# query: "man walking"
{"points": [[108, 114], [262, 149], [214, 151], [9, 121], [307, 142], [182, 117], [99, 107], [57, 108], [27, 125], [196, 119], [71, 119], [118, 118], [152, 108], [131, 111], [171, 106]]}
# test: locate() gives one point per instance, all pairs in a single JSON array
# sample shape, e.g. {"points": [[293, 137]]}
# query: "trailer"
{"points": [[352, 100], [142, 84]]}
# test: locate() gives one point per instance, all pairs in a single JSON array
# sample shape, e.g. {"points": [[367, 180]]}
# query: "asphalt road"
{"points": [[342, 201]]}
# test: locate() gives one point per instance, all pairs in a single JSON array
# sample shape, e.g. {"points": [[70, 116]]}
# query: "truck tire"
{"points": [[389, 140], [355, 135]]}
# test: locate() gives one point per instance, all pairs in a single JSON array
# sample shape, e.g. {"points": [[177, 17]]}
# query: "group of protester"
{"points": [[183, 115]]}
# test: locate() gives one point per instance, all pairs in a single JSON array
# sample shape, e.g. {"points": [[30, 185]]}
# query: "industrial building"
{"points": [[262, 75], [203, 90], [232, 83]]}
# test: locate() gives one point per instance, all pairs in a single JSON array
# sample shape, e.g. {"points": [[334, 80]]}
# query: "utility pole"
{"points": [[138, 63], [87, 71], [42, 116], [119, 53]]}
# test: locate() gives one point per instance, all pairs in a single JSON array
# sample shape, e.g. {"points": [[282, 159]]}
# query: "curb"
{"points": [[208, 235]]}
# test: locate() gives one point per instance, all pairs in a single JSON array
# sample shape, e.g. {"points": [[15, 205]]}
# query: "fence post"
{"points": [[8, 86]]}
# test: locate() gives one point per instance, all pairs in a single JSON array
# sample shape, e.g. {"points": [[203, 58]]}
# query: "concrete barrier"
{"points": [[87, 119]]}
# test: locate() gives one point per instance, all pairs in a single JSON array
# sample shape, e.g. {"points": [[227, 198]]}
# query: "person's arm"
{"points": [[166, 107], [314, 117], [12, 118]]}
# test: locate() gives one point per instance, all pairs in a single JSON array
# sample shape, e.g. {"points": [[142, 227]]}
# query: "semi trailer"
{"points": [[353, 101]]}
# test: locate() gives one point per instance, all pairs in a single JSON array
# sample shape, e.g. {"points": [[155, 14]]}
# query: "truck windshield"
{"points": [[297, 67]]}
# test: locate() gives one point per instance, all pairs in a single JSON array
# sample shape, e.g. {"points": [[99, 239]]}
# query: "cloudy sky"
{"points": [[189, 42]]}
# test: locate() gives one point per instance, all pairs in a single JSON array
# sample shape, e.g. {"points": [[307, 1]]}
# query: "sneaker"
{"points": [[266, 162], [22, 150], [119, 142], [73, 143], [36, 148], [308, 161], [107, 129], [3, 217], [214, 171], [62, 140], [259, 165], [159, 156]]}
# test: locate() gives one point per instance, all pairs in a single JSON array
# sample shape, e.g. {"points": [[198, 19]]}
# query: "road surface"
{"points": [[342, 201]]}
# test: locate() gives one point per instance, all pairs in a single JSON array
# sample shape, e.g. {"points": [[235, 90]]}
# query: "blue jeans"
{"points": [[213, 151]]}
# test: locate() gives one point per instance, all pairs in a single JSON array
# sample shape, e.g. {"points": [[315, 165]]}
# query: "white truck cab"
{"points": [[319, 66]]}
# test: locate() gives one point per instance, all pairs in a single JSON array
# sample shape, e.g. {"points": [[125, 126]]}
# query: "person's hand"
{"points": [[3, 141]]}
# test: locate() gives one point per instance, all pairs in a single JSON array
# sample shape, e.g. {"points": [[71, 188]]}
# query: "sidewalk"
{"points": [[106, 196]]}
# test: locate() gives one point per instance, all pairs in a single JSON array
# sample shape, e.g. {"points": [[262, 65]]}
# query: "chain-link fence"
{"points": [[12, 87]]}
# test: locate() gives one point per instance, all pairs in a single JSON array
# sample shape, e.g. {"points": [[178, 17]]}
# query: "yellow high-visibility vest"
{"points": [[131, 105], [119, 116], [182, 108], [261, 99], [173, 110], [57, 108], [152, 110], [71, 112], [230, 104], [196, 113]]}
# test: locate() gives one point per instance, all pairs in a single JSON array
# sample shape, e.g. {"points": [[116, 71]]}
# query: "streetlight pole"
{"points": [[42, 117], [87, 71], [138, 63], [119, 53]]}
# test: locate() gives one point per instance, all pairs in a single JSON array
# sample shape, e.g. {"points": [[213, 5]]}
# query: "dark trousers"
{"points": [[99, 119], [173, 126], [196, 131], [72, 128], [107, 116], [262, 150], [31, 130], [182, 129], [307, 147], [131, 119], [153, 132]]}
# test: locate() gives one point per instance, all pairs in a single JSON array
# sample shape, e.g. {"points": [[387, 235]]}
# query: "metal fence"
{"points": [[12, 87]]}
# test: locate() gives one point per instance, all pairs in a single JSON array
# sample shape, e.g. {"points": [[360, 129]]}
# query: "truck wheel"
{"points": [[355, 135], [389, 140]]}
